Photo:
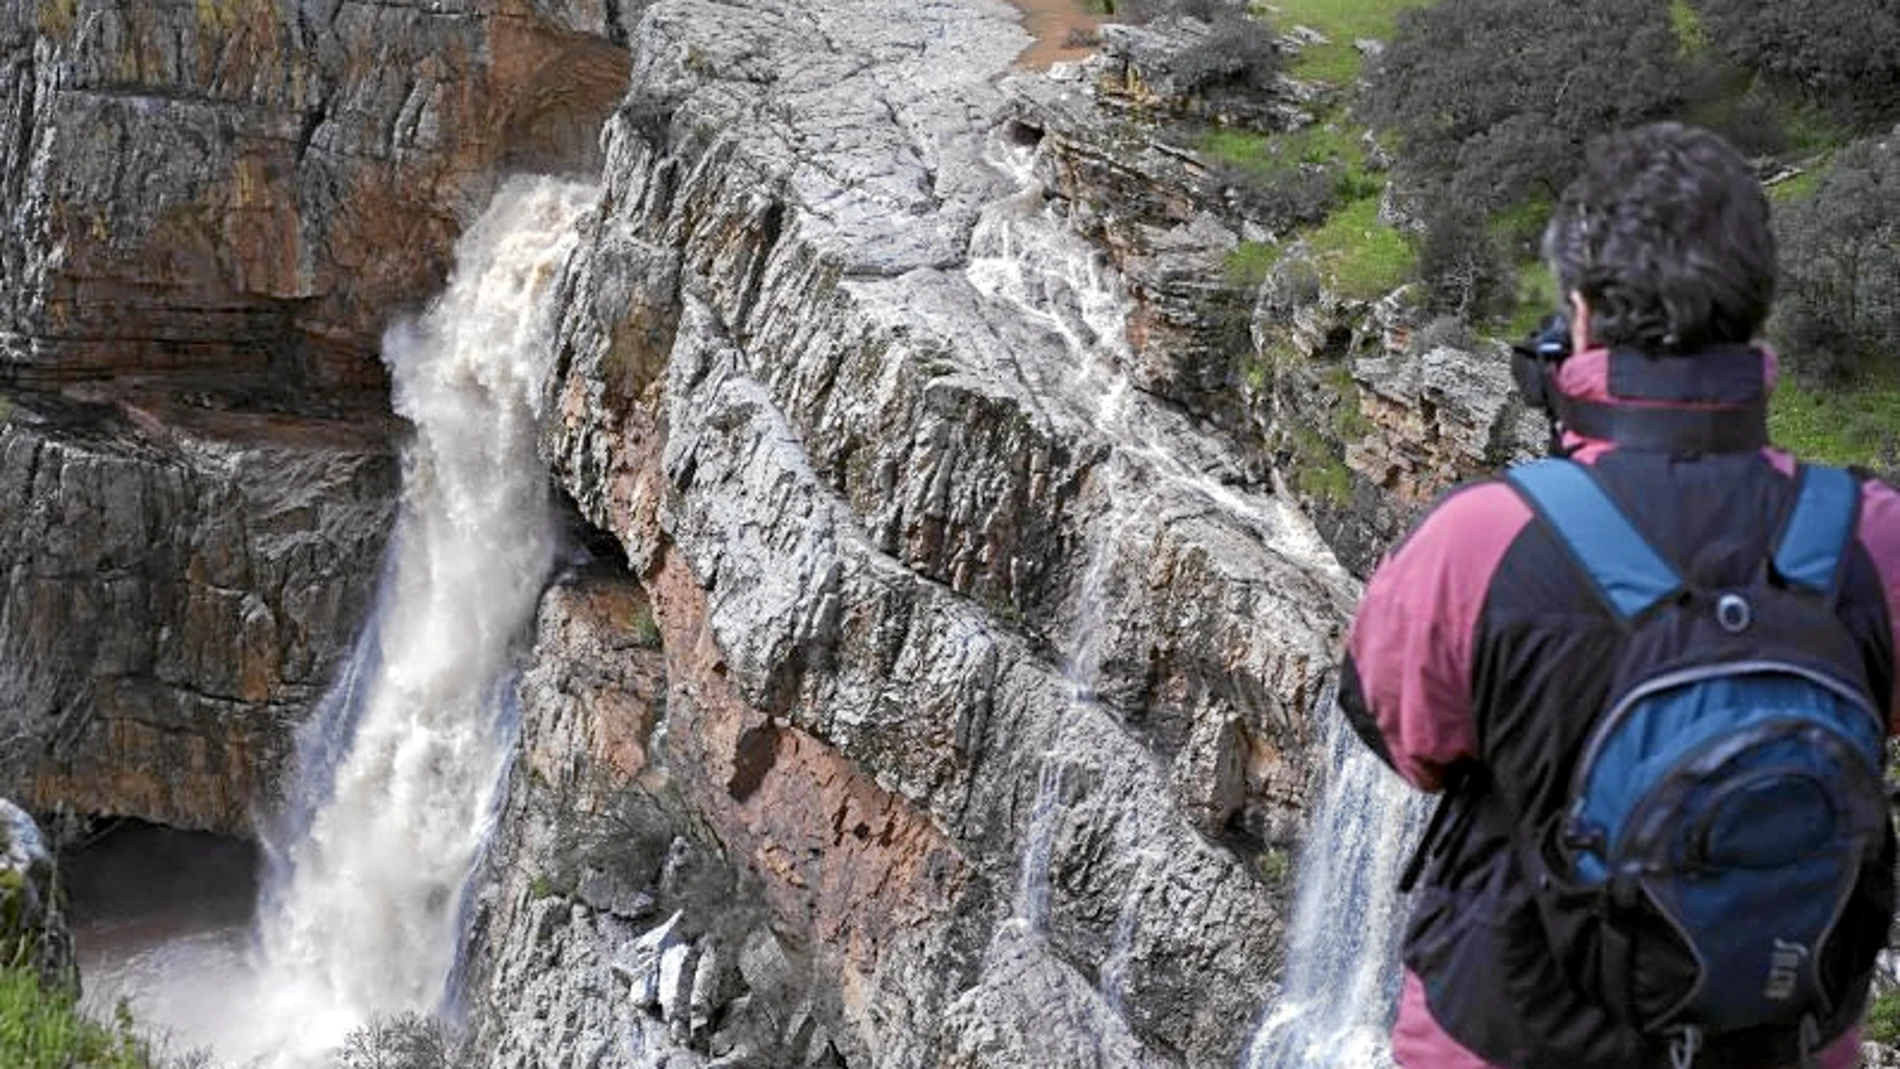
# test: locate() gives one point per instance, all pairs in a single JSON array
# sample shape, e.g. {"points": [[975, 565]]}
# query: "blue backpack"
{"points": [[1729, 795]]}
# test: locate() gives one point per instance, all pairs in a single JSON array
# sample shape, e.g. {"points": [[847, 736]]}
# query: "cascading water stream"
{"points": [[1022, 252], [400, 770], [1341, 973]]}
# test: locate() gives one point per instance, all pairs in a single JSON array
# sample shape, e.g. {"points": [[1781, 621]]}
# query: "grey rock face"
{"points": [[246, 189], [1374, 417], [607, 934], [974, 657], [213, 210], [1137, 188], [173, 602]]}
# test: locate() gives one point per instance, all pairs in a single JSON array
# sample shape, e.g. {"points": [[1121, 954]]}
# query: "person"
{"points": [[1480, 657]]}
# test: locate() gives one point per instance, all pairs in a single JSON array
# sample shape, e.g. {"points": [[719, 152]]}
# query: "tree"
{"points": [[1464, 271], [1840, 263], [404, 1041], [1494, 100], [1842, 54]]}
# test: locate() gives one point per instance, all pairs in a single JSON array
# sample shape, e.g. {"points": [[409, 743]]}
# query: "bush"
{"points": [[1883, 1019], [1840, 261], [404, 1041], [1241, 51], [1841, 54], [1492, 101], [1465, 272], [1283, 199]]}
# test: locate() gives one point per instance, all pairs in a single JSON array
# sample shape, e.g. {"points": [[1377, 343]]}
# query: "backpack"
{"points": [[1726, 799]]}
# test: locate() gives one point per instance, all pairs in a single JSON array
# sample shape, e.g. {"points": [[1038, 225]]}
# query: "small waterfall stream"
{"points": [[1341, 974], [362, 909], [1342, 963]]}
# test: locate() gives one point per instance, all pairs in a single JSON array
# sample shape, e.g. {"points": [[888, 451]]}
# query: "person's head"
{"points": [[1662, 244]]}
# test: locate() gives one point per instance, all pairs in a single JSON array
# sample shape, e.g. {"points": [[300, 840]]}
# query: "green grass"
{"points": [[1265, 154], [1537, 297], [1520, 228], [1883, 1018], [1363, 257], [1250, 262], [1691, 37], [42, 1029], [1343, 22], [1317, 472], [1845, 426], [1349, 420], [1798, 187]]}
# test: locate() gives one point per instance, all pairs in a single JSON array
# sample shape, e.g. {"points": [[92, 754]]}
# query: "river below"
{"points": [[1053, 24], [161, 919]]}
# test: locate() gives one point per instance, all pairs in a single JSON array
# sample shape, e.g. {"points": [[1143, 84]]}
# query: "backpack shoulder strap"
{"points": [[1628, 572], [1812, 546]]}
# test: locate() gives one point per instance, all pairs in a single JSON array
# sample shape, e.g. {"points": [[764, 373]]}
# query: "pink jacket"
{"points": [[1413, 639]]}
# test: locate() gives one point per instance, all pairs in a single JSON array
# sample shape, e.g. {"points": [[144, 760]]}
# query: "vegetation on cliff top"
{"points": [[1486, 106]]}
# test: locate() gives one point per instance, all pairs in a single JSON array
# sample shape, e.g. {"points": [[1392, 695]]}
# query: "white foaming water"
{"points": [[1032, 886], [1341, 975], [1023, 252], [400, 770], [1342, 968]]}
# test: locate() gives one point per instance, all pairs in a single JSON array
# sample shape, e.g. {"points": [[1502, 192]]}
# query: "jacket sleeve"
{"points": [[1406, 681], [1880, 534]]}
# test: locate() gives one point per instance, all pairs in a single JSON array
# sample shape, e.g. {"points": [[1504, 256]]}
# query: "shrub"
{"points": [[1842, 54], [1241, 51], [1840, 262], [1282, 199], [404, 1041], [1883, 1018], [1465, 272], [1493, 100]]}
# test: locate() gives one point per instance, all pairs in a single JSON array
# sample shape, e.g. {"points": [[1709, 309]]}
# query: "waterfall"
{"points": [[1342, 972], [1024, 253], [399, 771], [363, 913]]}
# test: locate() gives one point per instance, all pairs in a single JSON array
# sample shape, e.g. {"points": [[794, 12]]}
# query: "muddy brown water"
{"points": [[1051, 22]]}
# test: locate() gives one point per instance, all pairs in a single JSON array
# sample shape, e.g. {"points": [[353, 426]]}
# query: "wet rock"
{"points": [[32, 921], [180, 590], [906, 564], [301, 170]]}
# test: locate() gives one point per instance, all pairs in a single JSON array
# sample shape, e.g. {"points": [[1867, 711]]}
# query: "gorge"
{"points": [[935, 665]]}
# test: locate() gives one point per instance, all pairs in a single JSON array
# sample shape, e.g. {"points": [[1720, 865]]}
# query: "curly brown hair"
{"points": [[1666, 235]]}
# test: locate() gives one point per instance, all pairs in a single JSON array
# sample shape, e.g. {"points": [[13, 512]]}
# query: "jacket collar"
{"points": [[1623, 378]]}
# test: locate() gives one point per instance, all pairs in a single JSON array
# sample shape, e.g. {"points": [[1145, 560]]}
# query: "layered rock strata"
{"points": [[952, 705], [992, 675], [176, 598], [213, 210]]}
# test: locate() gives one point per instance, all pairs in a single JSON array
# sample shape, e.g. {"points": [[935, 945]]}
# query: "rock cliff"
{"points": [[989, 672], [942, 689], [213, 210]]}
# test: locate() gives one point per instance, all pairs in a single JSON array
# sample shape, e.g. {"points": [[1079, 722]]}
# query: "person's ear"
{"points": [[1579, 322]]}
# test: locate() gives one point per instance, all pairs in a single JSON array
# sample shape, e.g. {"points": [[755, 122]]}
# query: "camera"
{"points": [[1533, 358], [1550, 342]]}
